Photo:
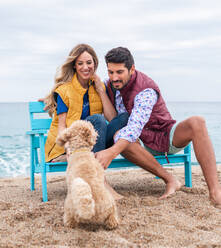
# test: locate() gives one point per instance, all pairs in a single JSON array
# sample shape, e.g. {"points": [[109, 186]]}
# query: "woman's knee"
{"points": [[123, 117], [97, 119], [118, 122]]}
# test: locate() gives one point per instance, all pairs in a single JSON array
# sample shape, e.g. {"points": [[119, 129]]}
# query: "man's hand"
{"points": [[105, 157]]}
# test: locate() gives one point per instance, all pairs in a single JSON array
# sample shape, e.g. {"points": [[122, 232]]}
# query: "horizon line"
{"points": [[195, 101]]}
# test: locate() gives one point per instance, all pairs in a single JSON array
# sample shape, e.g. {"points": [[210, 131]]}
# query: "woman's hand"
{"points": [[42, 100], [98, 84], [108, 108]]}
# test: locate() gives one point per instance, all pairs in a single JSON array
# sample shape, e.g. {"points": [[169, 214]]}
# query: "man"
{"points": [[149, 120]]}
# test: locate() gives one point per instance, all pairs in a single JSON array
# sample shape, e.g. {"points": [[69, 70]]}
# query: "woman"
{"points": [[78, 93]]}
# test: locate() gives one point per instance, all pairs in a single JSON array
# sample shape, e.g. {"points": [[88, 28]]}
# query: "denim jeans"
{"points": [[100, 125], [114, 125], [106, 131]]}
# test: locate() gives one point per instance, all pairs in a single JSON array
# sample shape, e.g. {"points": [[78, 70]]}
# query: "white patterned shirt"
{"points": [[143, 105]]}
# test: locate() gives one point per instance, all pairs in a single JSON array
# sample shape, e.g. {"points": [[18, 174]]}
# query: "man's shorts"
{"points": [[172, 149]]}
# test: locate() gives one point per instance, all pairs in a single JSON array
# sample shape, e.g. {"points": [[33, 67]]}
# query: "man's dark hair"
{"points": [[120, 55]]}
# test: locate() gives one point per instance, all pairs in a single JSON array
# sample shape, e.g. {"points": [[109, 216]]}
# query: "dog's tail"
{"points": [[83, 201]]}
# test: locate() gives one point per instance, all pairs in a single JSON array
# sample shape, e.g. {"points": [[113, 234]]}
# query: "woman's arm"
{"points": [[108, 108], [61, 122]]}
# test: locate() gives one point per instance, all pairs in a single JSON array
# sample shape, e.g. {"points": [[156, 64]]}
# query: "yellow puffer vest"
{"points": [[72, 94]]}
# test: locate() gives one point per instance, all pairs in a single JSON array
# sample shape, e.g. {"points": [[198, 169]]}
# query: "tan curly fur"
{"points": [[88, 200]]}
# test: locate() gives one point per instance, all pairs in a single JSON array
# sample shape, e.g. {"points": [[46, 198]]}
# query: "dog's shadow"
{"points": [[143, 187], [57, 188], [92, 227]]}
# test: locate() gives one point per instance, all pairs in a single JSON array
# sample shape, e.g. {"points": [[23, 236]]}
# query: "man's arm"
{"points": [[143, 105]]}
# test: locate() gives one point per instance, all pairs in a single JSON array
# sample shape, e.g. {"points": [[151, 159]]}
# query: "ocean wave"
{"points": [[14, 156]]}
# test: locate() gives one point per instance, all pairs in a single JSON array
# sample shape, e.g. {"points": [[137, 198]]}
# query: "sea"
{"points": [[15, 144]]}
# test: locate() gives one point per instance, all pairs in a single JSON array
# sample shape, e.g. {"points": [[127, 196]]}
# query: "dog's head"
{"points": [[81, 134]]}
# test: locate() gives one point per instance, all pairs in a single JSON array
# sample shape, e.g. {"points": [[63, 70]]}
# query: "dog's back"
{"points": [[92, 202], [83, 202]]}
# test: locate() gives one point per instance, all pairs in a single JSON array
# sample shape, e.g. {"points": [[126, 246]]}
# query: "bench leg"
{"points": [[44, 186], [43, 170], [32, 169], [188, 172], [32, 178]]}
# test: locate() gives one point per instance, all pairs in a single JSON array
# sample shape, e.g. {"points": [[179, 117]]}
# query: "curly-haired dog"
{"points": [[87, 201]]}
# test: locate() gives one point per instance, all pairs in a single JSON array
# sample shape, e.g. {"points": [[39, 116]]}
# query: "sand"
{"points": [[186, 219]]}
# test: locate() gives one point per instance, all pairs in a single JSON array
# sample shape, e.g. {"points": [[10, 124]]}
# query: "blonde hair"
{"points": [[66, 72]]}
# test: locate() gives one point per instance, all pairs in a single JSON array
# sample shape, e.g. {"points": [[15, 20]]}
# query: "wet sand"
{"points": [[186, 219]]}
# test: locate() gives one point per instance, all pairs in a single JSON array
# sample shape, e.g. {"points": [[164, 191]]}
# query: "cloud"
{"points": [[169, 39]]}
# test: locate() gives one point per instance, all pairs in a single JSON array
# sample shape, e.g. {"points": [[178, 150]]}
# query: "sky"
{"points": [[175, 42]]}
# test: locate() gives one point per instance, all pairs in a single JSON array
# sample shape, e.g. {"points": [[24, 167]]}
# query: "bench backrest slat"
{"points": [[36, 107], [39, 119]]}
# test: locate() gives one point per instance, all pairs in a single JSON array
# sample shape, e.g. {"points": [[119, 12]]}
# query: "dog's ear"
{"points": [[60, 141], [63, 137], [89, 134]]}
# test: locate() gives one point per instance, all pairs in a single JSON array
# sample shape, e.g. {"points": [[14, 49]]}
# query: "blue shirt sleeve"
{"points": [[61, 106]]}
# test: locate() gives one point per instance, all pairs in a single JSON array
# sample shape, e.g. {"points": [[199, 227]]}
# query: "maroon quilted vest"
{"points": [[156, 132]]}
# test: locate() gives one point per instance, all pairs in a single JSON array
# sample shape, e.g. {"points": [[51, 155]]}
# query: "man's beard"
{"points": [[118, 81]]}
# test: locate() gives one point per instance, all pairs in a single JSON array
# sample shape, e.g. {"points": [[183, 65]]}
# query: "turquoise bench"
{"points": [[40, 123]]}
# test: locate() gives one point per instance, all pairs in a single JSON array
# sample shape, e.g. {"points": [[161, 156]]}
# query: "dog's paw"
{"points": [[111, 222], [69, 221]]}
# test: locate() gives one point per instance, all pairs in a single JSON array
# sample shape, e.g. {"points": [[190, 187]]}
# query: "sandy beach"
{"points": [[186, 219]]}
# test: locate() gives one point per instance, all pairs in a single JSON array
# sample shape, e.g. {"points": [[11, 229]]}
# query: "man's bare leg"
{"points": [[141, 157], [194, 129]]}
